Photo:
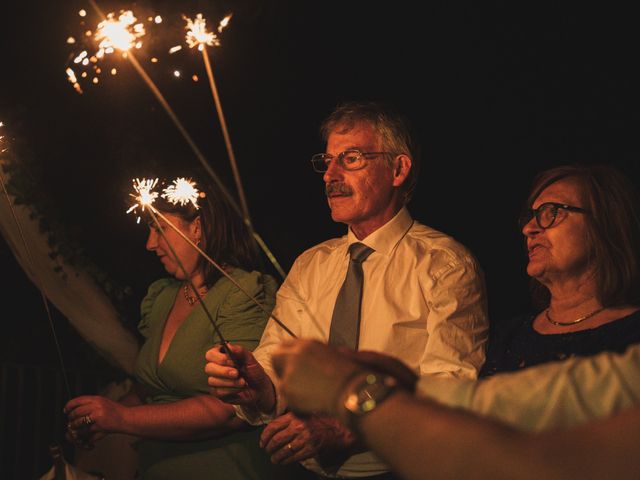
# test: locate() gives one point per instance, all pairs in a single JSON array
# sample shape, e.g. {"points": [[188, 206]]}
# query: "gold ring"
{"points": [[87, 420], [290, 447]]}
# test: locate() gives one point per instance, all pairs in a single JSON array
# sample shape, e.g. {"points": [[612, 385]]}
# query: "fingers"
{"points": [[275, 426], [294, 451], [76, 402], [288, 439], [221, 370]]}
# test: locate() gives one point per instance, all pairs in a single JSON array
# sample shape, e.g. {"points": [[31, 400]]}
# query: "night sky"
{"points": [[496, 94]]}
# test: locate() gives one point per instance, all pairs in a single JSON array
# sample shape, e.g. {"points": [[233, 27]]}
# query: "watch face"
{"points": [[368, 393]]}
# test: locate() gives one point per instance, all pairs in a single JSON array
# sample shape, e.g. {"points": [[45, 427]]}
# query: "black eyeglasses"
{"points": [[352, 159], [546, 214]]}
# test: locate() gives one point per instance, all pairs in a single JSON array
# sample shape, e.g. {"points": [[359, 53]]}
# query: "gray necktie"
{"points": [[345, 322]]}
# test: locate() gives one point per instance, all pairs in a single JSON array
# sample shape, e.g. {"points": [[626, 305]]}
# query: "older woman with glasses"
{"points": [[582, 230]]}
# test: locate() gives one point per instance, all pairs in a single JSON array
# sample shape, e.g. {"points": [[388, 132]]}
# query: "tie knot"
{"points": [[359, 252]]}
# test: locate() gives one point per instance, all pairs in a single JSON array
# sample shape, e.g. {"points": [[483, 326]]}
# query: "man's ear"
{"points": [[401, 169]]}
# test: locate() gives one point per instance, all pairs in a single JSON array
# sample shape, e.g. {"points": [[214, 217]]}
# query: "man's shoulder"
{"points": [[323, 250], [428, 239]]}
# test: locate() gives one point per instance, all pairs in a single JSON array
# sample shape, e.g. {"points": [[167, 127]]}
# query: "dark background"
{"points": [[496, 92]]}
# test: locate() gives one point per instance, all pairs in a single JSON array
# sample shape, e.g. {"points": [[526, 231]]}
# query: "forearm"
{"points": [[194, 418], [552, 395], [422, 440]]}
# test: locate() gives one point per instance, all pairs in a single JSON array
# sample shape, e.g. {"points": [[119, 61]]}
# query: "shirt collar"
{"points": [[384, 239]]}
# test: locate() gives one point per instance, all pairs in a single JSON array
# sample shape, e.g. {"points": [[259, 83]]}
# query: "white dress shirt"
{"points": [[423, 302], [553, 395]]}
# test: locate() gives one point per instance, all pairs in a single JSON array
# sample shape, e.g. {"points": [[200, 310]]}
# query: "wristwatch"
{"points": [[367, 391]]}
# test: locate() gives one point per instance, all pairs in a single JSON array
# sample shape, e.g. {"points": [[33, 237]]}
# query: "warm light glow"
{"points": [[71, 40], [121, 33], [197, 35], [73, 79], [144, 194], [158, 19], [82, 13], [114, 71], [224, 22], [175, 49], [154, 60], [80, 57], [194, 78], [182, 191], [176, 73]]}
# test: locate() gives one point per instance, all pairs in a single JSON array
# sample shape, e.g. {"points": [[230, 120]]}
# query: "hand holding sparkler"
{"points": [[236, 377]]}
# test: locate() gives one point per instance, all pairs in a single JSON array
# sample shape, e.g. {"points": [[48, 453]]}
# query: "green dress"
{"points": [[181, 375]]}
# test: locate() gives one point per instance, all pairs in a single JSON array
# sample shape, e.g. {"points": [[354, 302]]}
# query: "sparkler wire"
{"points": [[39, 286], [132, 59], [221, 270], [227, 139], [237, 363], [192, 286]]}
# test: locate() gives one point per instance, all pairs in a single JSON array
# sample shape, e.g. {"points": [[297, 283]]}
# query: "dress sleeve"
{"points": [[147, 304], [239, 318], [549, 396], [457, 323]]}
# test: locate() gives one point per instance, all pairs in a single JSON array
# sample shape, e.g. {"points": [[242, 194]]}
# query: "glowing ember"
{"points": [[74, 81], [182, 191], [224, 22], [121, 33], [144, 194], [197, 35]]}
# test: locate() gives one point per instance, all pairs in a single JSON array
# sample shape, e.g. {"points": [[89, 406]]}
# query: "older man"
{"points": [[391, 285]]}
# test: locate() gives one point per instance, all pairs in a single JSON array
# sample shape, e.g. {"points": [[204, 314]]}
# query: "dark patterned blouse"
{"points": [[517, 345]]}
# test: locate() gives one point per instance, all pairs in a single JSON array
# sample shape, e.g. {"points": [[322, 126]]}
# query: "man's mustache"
{"points": [[337, 187]]}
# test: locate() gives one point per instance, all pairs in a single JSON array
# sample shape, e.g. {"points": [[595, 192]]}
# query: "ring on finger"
{"points": [[87, 420]]}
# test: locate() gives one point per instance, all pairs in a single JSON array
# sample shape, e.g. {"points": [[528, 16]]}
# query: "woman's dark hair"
{"points": [[225, 236], [613, 230]]}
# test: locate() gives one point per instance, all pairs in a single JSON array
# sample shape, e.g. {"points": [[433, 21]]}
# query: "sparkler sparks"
{"points": [[122, 33], [182, 191], [117, 32], [197, 35], [144, 194]]}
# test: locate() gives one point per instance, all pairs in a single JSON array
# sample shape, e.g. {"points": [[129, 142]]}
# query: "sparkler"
{"points": [[144, 194], [184, 191], [31, 263], [126, 35], [198, 36]]}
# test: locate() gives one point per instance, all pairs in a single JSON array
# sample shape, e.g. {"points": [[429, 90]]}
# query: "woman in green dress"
{"points": [[185, 432]]}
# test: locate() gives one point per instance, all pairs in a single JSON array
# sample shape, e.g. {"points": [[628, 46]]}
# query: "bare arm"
{"points": [[421, 439], [193, 418]]}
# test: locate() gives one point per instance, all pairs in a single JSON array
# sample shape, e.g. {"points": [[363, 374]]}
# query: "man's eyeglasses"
{"points": [[349, 159], [546, 214]]}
